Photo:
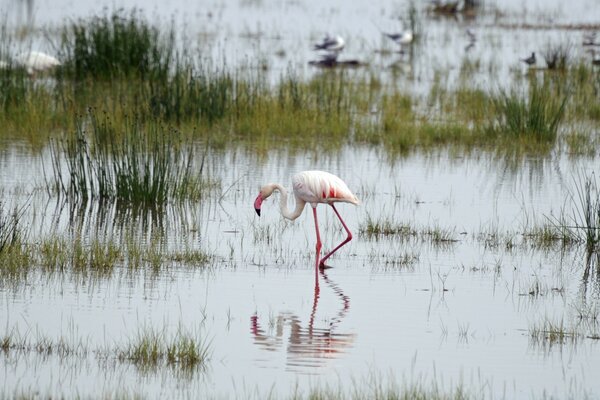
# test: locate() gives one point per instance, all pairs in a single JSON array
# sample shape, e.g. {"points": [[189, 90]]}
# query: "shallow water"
{"points": [[458, 312]]}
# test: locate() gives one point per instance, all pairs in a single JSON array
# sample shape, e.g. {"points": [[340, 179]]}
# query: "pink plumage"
{"points": [[321, 187], [311, 187]]}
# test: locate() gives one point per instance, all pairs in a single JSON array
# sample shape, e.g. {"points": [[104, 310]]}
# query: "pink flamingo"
{"points": [[312, 187]]}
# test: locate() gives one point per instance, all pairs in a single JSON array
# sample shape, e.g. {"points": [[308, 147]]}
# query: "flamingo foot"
{"points": [[323, 266]]}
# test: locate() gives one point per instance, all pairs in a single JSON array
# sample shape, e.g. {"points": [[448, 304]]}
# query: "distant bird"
{"points": [[529, 60], [471, 34], [312, 187], [402, 38], [36, 61], [332, 45], [589, 39]]}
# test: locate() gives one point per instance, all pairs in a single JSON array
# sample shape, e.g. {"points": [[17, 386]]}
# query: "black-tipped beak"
{"points": [[257, 211]]}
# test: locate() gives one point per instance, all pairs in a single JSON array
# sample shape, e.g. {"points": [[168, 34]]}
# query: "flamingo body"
{"points": [[311, 187], [321, 187]]}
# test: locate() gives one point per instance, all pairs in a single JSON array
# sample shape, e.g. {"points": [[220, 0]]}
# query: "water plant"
{"points": [[151, 348], [114, 45], [139, 165], [557, 55], [535, 116]]}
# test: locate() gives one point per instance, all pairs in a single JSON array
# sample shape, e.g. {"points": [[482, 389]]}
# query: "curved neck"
{"points": [[283, 199]]}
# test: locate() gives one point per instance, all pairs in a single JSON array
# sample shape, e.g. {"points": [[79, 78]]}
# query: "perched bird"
{"points": [[332, 45], [529, 60], [403, 38], [36, 61], [311, 187]]}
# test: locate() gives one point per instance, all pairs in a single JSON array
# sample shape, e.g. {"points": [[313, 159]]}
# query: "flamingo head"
{"points": [[265, 192], [258, 203]]}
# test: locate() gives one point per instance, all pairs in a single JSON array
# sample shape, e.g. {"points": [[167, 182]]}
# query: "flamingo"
{"points": [[312, 187]]}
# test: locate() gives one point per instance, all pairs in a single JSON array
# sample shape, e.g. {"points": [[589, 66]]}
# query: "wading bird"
{"points": [[529, 60], [36, 61], [311, 187]]}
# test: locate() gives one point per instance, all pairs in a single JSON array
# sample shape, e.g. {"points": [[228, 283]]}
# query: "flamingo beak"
{"points": [[257, 204]]}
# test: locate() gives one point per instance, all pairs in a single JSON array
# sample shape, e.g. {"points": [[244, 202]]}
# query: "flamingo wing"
{"points": [[321, 187]]}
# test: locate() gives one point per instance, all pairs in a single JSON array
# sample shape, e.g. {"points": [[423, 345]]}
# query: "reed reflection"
{"points": [[307, 346]]}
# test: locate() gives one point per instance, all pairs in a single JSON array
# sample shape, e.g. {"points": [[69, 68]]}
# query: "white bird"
{"points": [[402, 38], [332, 45], [312, 187], [36, 61]]}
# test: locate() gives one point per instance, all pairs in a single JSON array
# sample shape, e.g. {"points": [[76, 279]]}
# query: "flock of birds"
{"points": [[331, 46]]}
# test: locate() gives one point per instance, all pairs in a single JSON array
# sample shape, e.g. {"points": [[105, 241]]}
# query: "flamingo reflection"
{"points": [[309, 346]]}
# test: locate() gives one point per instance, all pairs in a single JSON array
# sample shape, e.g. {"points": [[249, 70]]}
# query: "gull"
{"points": [[402, 38], [332, 45]]}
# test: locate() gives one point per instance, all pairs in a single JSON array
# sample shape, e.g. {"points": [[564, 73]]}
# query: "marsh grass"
{"points": [[557, 55], [387, 228], [584, 224], [116, 45], [139, 165], [121, 65], [533, 117], [549, 333], [151, 349], [550, 236]]}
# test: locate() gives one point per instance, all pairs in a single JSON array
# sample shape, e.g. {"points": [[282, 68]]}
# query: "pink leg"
{"points": [[318, 238], [348, 238]]}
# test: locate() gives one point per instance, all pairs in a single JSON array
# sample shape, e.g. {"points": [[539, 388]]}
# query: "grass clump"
{"points": [[152, 348], [116, 45], [140, 164], [385, 227], [534, 117], [557, 55]]}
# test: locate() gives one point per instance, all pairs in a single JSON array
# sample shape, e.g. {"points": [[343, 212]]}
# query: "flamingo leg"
{"points": [[348, 238], [318, 240]]}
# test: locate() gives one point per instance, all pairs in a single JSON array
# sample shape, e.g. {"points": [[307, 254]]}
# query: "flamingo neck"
{"points": [[283, 200]]}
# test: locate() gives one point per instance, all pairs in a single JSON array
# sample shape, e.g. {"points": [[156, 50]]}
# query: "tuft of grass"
{"points": [[535, 117], [152, 348], [385, 227], [140, 165], [549, 236], [557, 55], [10, 230], [116, 45], [587, 214]]}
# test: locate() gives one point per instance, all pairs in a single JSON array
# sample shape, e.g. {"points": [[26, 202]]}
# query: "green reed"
{"points": [[535, 116], [152, 348], [139, 164], [116, 45]]}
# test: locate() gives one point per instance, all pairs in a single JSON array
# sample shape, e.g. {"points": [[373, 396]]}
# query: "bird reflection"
{"points": [[306, 346]]}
